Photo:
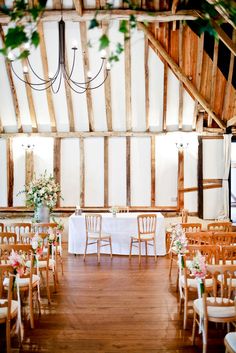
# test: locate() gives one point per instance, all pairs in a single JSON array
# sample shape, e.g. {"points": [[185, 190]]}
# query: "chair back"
{"points": [[224, 238], [228, 254], [5, 271], [210, 252], [222, 276], [192, 227], [220, 226], [44, 227], [8, 238], [184, 215], [199, 238], [147, 225], [18, 228], [1, 227], [93, 224]]}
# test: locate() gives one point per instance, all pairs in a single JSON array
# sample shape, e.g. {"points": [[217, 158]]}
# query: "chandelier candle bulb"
{"points": [[108, 67], [103, 54], [74, 45], [25, 70], [89, 74]]}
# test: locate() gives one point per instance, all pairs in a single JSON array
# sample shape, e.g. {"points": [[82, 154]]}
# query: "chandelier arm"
{"points": [[59, 85], [91, 88], [89, 81], [73, 89], [72, 67], [41, 79], [67, 79]]}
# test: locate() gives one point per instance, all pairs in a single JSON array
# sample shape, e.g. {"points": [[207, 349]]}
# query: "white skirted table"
{"points": [[121, 228]]}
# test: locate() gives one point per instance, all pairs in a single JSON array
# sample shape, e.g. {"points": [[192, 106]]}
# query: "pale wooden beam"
{"points": [[200, 177], [232, 121], [180, 179], [79, 6], [12, 86], [146, 56], [153, 171], [213, 78], [30, 101], [181, 90], [56, 4], [106, 171], [223, 13], [83, 35], [225, 38], [128, 165], [29, 165], [180, 74], [115, 14], [45, 72], [229, 83], [57, 163], [10, 173], [200, 50], [107, 87], [165, 88], [128, 85], [81, 144], [69, 102]]}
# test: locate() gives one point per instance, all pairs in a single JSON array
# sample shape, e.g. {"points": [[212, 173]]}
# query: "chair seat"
{"points": [[192, 282], [3, 311], [43, 263], [144, 237], [216, 311], [23, 282], [96, 236], [230, 340]]}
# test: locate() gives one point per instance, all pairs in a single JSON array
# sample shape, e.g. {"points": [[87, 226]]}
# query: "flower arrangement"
{"points": [[17, 261], [43, 191], [52, 238], [197, 266], [60, 225], [114, 210], [179, 241], [37, 245]]}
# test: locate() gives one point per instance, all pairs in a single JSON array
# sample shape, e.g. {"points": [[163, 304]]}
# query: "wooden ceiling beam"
{"points": [[200, 51], [213, 77], [225, 38], [231, 121], [107, 86], [181, 75], [119, 14], [128, 103], [222, 12], [181, 88], [12, 86], [79, 6]]}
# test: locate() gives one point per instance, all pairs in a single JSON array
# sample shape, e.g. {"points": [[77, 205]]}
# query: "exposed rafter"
{"points": [[102, 15], [180, 74], [79, 6], [213, 77], [222, 12], [225, 38]]}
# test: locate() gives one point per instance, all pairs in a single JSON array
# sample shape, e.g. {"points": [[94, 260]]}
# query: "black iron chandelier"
{"points": [[54, 81]]}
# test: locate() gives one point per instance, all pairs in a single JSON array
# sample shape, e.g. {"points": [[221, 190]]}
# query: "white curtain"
{"points": [[227, 161]]}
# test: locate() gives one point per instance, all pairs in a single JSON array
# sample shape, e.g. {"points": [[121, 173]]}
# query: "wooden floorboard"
{"points": [[115, 307]]}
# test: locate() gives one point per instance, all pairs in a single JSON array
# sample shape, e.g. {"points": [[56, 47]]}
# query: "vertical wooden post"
{"points": [[57, 163], [128, 85], [81, 143], [128, 198], [29, 165], [181, 90], [180, 179], [106, 171], [10, 173], [200, 178], [146, 56], [153, 172]]}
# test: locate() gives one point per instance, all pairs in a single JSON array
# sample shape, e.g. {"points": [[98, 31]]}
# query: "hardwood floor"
{"points": [[115, 307]]}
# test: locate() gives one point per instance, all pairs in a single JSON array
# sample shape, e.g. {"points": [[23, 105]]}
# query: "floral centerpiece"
{"points": [[42, 195], [198, 269], [114, 210]]}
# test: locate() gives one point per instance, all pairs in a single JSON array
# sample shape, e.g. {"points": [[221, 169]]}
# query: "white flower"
{"points": [[51, 236]]}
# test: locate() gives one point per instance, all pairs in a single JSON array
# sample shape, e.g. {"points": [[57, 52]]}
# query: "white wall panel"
{"points": [[79, 100], [98, 95], [156, 88], [172, 110], [70, 172], [166, 170], [190, 171], [43, 155], [3, 173], [117, 171], [212, 203], [138, 97], [94, 171], [19, 171], [117, 81], [140, 175], [188, 110]]}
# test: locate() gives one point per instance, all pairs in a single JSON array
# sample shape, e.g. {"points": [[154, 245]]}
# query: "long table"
{"points": [[121, 228]]}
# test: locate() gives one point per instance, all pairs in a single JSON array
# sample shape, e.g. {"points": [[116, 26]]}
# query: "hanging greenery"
{"points": [[24, 16]]}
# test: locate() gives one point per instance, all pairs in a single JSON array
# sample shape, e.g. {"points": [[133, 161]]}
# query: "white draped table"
{"points": [[120, 228]]}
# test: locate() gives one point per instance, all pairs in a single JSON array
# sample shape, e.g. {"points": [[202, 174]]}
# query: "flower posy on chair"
{"points": [[198, 269]]}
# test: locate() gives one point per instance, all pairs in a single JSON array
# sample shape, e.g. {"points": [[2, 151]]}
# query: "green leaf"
{"points": [[119, 48], [104, 42], [123, 27], [93, 23], [24, 54], [15, 37], [35, 39]]}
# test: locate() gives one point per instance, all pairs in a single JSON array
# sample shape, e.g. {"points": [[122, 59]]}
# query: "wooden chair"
{"points": [[146, 234], [230, 342], [184, 215], [94, 235], [220, 227], [224, 238], [218, 308], [228, 254], [18, 228], [8, 238], [186, 281], [8, 307], [192, 227], [28, 282], [1, 227], [200, 238]]}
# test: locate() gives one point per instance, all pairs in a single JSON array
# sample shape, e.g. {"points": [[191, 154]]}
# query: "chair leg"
{"points": [[110, 246], [98, 250], [204, 337], [31, 309], [155, 249], [146, 248], [62, 266], [185, 310], [139, 252], [130, 249], [194, 326], [48, 287], [85, 251], [171, 263], [8, 336]]}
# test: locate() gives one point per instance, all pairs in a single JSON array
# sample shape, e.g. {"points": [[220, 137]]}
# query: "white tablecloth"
{"points": [[120, 228]]}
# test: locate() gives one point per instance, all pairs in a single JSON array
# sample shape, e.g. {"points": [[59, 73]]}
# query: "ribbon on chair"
{"points": [[38, 274], [19, 325], [180, 267]]}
